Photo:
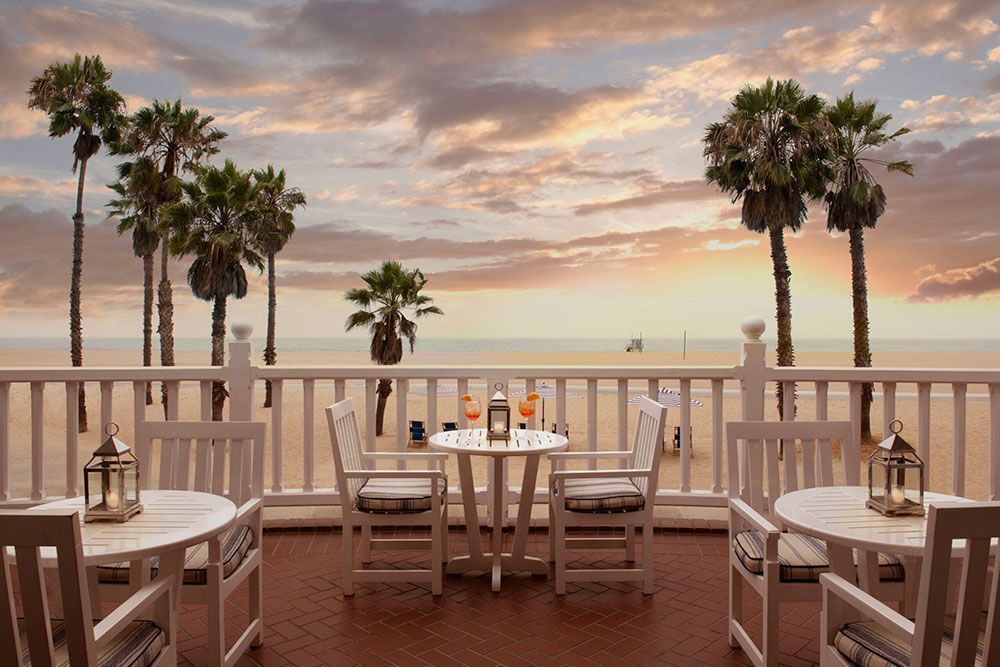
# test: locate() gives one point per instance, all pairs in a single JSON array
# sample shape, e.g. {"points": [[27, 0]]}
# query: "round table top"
{"points": [[838, 514], [169, 520], [523, 442]]}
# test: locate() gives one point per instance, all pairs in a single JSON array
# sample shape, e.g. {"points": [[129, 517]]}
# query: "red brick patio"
{"points": [[309, 621]]}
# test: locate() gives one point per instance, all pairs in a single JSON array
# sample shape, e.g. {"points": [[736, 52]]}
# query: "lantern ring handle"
{"points": [[895, 426], [498, 386], [109, 426]]}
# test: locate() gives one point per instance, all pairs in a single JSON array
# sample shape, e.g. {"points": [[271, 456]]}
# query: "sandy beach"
{"points": [[701, 463]]}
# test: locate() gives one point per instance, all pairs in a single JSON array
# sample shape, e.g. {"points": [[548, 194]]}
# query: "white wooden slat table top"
{"points": [[523, 442], [169, 520], [838, 514]]}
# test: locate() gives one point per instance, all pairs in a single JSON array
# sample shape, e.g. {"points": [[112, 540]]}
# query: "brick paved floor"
{"points": [[310, 622]]}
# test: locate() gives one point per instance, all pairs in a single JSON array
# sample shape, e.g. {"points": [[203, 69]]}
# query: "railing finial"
{"points": [[753, 327], [241, 330]]}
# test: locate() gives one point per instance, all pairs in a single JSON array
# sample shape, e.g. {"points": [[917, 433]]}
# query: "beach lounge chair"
{"points": [[449, 426], [567, 428], [418, 436]]}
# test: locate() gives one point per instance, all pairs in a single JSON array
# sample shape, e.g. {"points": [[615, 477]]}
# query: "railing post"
{"points": [[753, 364], [238, 374]]}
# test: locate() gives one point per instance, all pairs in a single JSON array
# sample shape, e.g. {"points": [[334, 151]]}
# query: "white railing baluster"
{"points": [[685, 435], [958, 455], [560, 405], [622, 400], [72, 438], [888, 407], [529, 386], [432, 407], [308, 424], [924, 427], [5, 440], [38, 440], [788, 401], [854, 409], [339, 390], [822, 401], [994, 442], [173, 401], [277, 435], [717, 436], [402, 425], [462, 389], [370, 384], [107, 404], [592, 420], [205, 401]]}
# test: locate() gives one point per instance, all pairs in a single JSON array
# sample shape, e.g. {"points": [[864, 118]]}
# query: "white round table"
{"points": [[170, 522], [467, 443], [838, 515]]}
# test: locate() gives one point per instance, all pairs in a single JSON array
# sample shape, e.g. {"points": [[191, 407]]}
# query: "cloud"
{"points": [[940, 112], [967, 282], [14, 186], [655, 193], [715, 245], [932, 27]]}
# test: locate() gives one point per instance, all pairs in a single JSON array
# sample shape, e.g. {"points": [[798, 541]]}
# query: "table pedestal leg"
{"points": [[497, 561], [172, 562]]}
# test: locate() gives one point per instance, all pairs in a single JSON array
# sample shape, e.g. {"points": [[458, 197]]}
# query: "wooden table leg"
{"points": [[524, 507], [172, 562], [911, 587], [499, 497], [842, 561]]}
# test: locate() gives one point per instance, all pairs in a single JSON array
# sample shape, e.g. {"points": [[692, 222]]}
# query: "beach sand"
{"points": [[977, 481]]}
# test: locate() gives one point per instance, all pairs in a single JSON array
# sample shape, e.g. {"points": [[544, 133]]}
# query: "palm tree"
{"points": [[140, 188], [76, 97], [177, 140], [770, 151], [855, 202], [214, 223], [392, 291], [275, 205]]}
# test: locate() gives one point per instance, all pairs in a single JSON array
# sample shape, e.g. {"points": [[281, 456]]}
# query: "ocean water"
{"points": [[357, 344]]}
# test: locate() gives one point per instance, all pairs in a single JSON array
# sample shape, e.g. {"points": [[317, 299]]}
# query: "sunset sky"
{"points": [[539, 160]]}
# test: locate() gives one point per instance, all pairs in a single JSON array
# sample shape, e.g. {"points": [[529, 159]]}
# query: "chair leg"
{"points": [[560, 539], [552, 533], [444, 533], [437, 537], [735, 604], [366, 543], [648, 562], [769, 639], [257, 602], [347, 556], [216, 618], [630, 543]]}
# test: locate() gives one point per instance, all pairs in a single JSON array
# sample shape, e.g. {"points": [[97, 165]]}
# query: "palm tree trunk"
{"points": [[270, 354], [384, 389], [165, 313], [783, 306], [76, 277], [147, 319], [862, 347], [218, 354]]}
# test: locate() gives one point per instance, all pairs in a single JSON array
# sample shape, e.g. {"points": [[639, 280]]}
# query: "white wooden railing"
{"points": [[34, 444]]}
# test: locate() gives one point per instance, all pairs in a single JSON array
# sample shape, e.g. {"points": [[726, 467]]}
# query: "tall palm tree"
{"points": [[76, 97], [770, 152], [177, 139], [139, 191], [392, 292], [214, 223], [854, 202], [275, 206]]}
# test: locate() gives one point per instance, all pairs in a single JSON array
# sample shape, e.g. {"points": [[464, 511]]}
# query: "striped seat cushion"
{"points": [[380, 495], [868, 644], [138, 645], [603, 495], [235, 546], [802, 557]]}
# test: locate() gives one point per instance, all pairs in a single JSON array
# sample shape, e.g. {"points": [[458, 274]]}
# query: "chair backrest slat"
{"points": [[345, 438], [647, 444], [228, 457], [763, 456], [978, 524], [27, 531]]}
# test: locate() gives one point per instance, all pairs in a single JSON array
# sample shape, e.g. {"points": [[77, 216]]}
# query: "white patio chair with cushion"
{"points": [[141, 631], [618, 497], [227, 459], [371, 497], [858, 629], [780, 566]]}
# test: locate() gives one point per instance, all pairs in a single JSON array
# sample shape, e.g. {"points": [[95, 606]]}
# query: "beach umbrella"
{"points": [[545, 391], [668, 398]]}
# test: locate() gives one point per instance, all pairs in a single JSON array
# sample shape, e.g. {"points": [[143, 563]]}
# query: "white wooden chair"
{"points": [[227, 459], [370, 497], [142, 630], [858, 629], [618, 497], [779, 566]]}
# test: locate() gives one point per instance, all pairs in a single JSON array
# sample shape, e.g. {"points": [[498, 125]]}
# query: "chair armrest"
{"points": [[433, 456], [396, 474], [597, 474], [589, 455], [868, 606], [252, 506], [130, 609], [751, 516]]}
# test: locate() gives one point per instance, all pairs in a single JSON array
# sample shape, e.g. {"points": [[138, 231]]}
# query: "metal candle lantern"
{"points": [[498, 417], [895, 477], [111, 481]]}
